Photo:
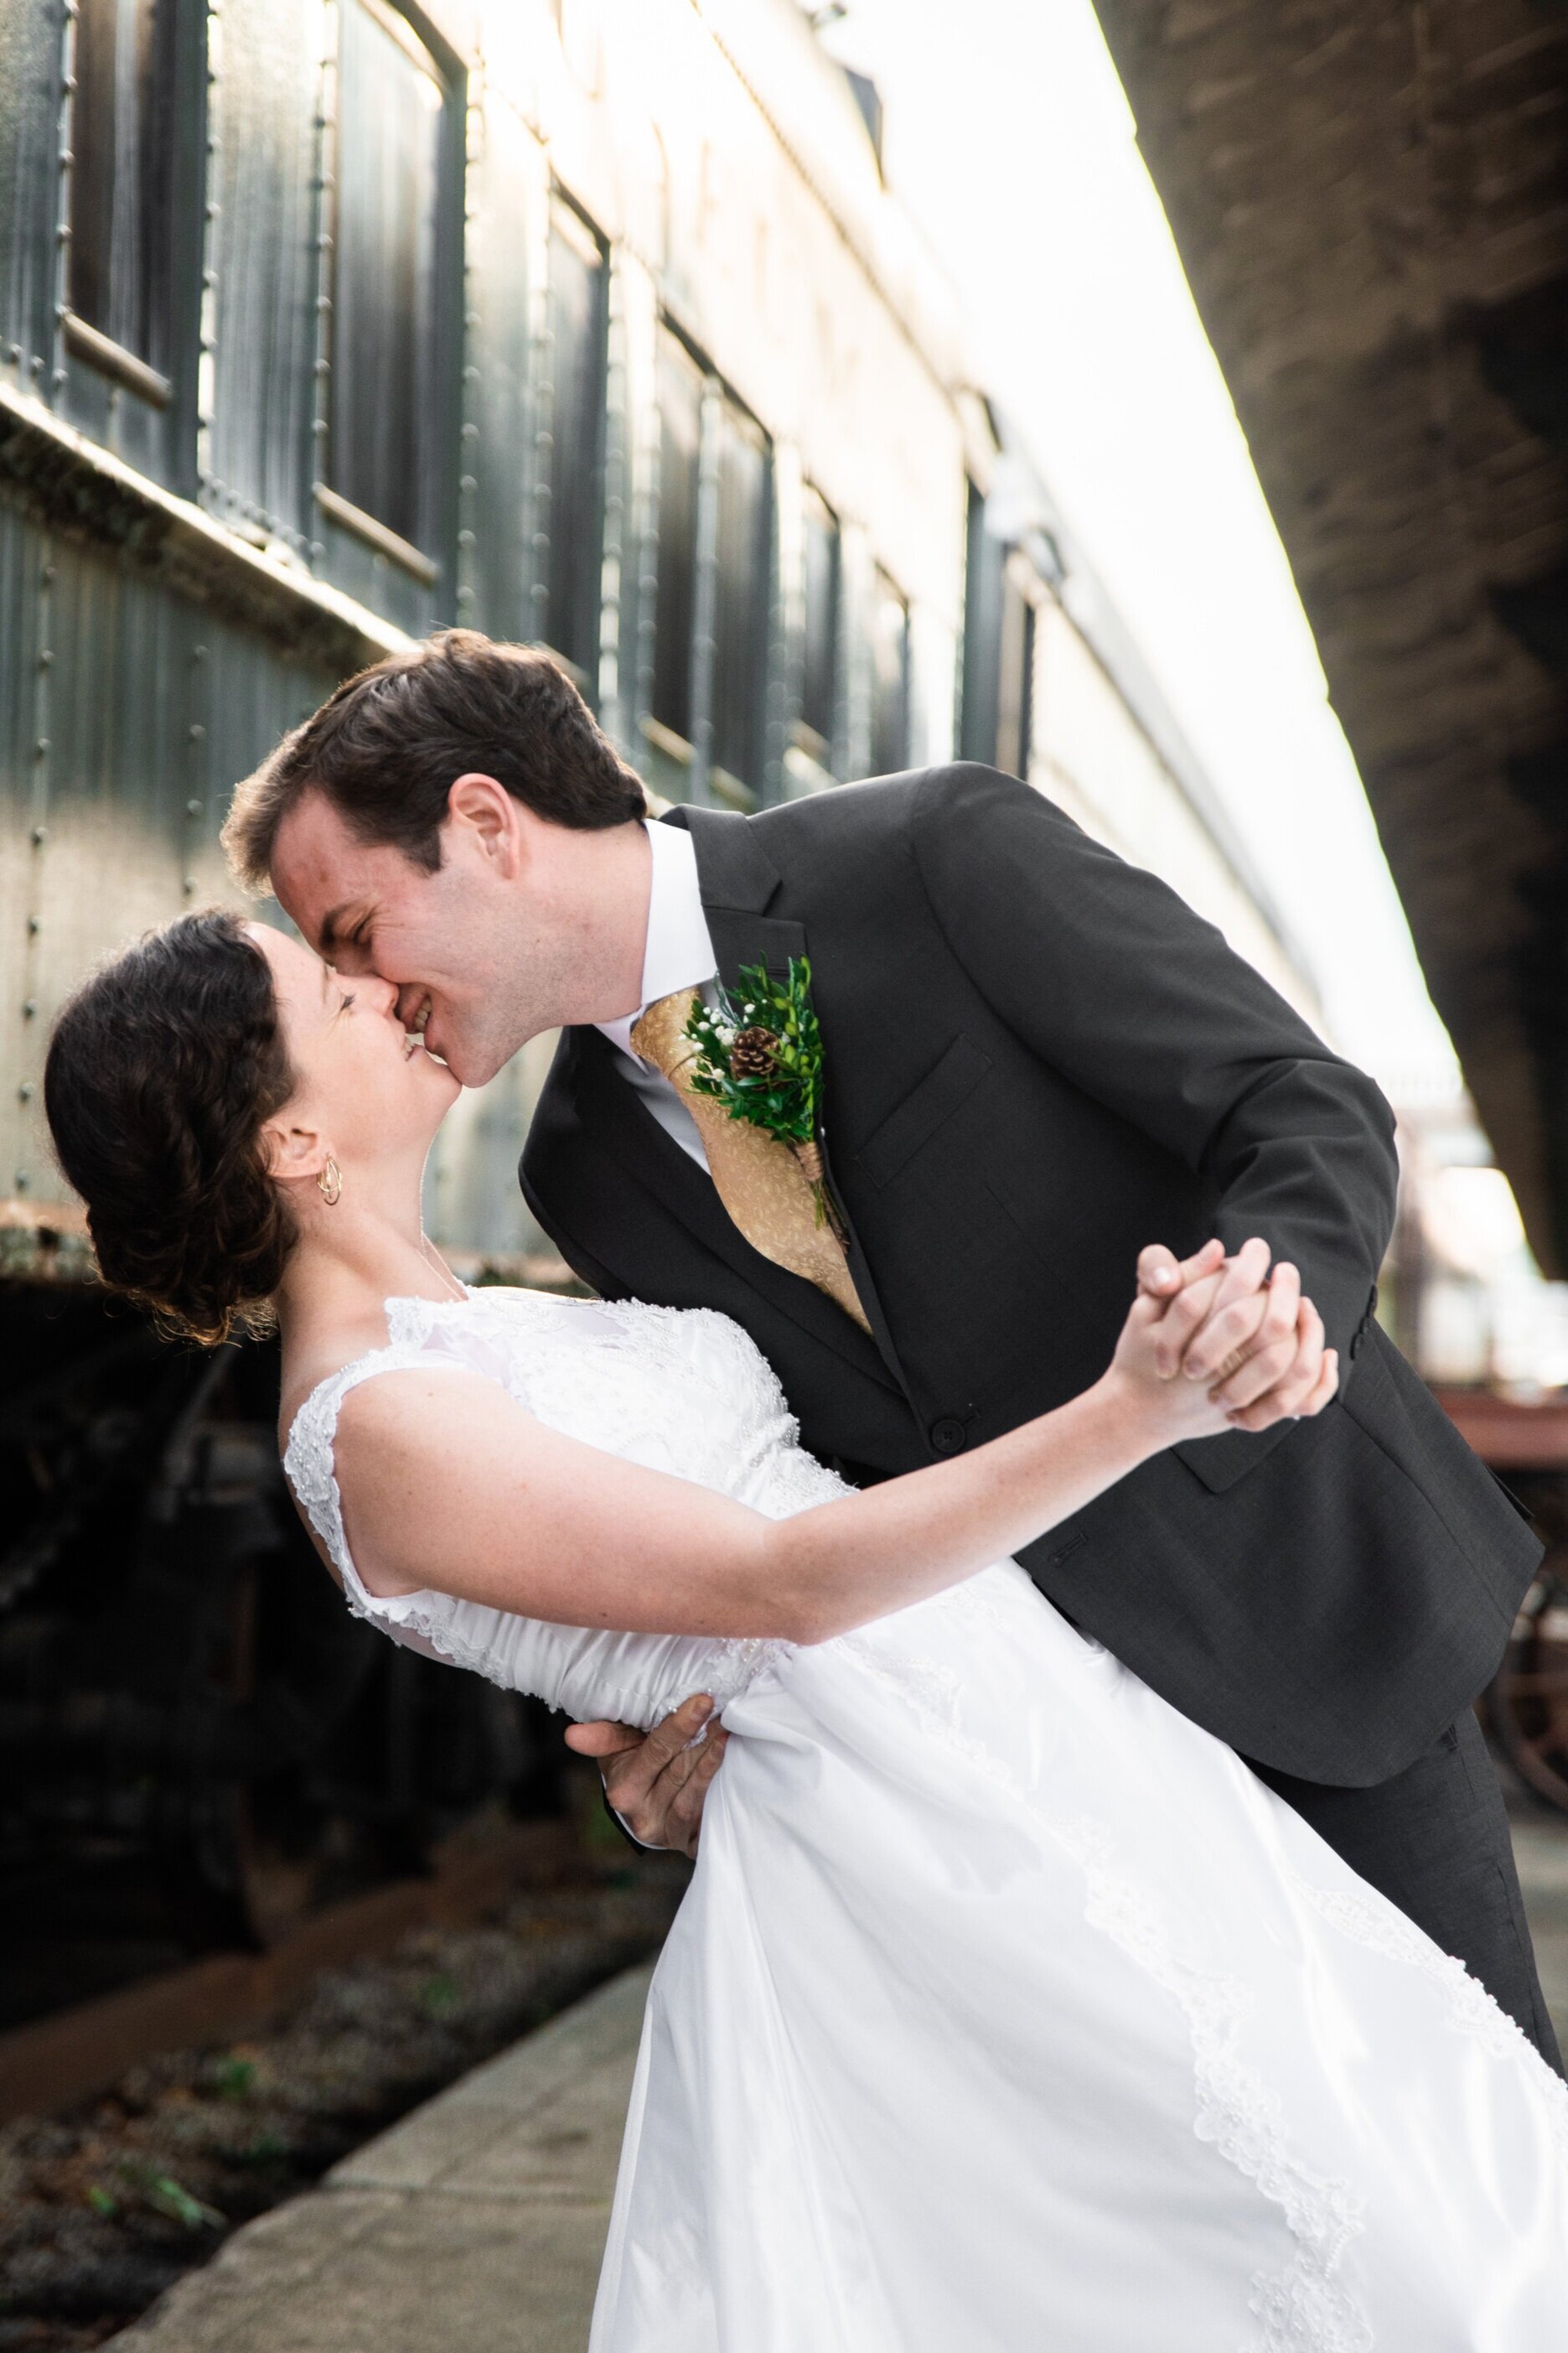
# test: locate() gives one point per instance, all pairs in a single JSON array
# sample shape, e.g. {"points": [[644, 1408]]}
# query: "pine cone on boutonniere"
{"points": [[760, 1054], [751, 1056]]}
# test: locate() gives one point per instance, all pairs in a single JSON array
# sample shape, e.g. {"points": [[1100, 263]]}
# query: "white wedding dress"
{"points": [[1006, 2010]]}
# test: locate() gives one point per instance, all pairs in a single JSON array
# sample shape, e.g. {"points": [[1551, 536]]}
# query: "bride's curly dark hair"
{"points": [[163, 1069]]}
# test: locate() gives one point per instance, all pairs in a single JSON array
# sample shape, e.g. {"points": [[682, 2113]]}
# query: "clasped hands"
{"points": [[1245, 1332]]}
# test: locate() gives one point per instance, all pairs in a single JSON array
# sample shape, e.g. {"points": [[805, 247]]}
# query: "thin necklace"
{"points": [[438, 1265]]}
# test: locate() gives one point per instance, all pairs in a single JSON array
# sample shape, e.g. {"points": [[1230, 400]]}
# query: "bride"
{"points": [[1006, 2009]]}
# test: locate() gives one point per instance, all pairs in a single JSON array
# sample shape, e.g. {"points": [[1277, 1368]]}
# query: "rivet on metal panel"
{"points": [[470, 482], [58, 377], [466, 539], [13, 352], [189, 886], [29, 1007], [40, 835], [32, 927], [36, 363], [40, 748], [465, 597], [197, 731], [46, 656], [22, 1180], [194, 809], [198, 653], [25, 1091], [45, 574]]}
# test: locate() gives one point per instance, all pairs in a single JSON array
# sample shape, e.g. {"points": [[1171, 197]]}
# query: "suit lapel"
{"points": [[738, 879], [615, 1114]]}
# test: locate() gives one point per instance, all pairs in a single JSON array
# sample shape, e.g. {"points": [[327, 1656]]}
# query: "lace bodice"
{"points": [[683, 1390]]}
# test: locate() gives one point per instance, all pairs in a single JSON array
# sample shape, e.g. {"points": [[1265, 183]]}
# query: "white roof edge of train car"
{"points": [[1088, 604], [805, 97]]}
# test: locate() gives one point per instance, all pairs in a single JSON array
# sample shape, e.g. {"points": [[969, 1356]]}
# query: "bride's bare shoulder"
{"points": [[404, 1444]]}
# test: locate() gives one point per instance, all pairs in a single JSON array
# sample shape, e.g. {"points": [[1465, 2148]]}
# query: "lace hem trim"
{"points": [[1304, 2307], [1469, 2008]]}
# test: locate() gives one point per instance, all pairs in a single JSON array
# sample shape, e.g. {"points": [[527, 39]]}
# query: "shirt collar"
{"points": [[679, 951]]}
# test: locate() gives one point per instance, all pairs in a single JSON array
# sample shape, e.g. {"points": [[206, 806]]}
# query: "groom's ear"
{"points": [[482, 810]]}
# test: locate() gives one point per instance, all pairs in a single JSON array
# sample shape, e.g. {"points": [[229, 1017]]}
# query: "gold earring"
{"points": [[330, 1183]]}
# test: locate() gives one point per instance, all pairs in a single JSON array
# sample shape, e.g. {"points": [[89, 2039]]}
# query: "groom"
{"points": [[1036, 1057]]}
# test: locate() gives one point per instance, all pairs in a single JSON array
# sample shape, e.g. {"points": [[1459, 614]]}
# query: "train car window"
{"points": [[385, 411], [984, 573], [572, 522], [889, 679], [1015, 677], [819, 665], [121, 187], [744, 472], [680, 389]]}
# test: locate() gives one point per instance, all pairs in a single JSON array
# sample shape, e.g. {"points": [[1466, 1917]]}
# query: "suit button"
{"points": [[949, 1435]]}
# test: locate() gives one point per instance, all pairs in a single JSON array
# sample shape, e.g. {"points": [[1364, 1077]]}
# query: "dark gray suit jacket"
{"points": [[1038, 1060]]}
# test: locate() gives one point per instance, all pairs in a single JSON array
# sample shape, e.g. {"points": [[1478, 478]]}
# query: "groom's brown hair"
{"points": [[386, 747]]}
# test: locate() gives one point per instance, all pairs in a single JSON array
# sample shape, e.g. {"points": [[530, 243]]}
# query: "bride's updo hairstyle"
{"points": [[162, 1073]]}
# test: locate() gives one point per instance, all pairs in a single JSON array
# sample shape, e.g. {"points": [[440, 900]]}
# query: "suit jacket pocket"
{"points": [[930, 1103], [1220, 1462]]}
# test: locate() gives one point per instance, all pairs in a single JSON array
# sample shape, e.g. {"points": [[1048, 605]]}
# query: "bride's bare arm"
{"points": [[447, 1483]]}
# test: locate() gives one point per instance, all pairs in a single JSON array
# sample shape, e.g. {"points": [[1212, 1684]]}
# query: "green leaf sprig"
{"points": [[759, 1053]]}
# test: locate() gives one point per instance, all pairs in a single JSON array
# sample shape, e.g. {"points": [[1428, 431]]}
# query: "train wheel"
{"points": [[1527, 1703]]}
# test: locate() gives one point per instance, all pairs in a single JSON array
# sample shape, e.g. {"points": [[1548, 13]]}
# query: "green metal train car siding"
{"points": [[587, 325]]}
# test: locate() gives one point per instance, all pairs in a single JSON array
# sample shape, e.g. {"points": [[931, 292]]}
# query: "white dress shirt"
{"points": [[678, 953]]}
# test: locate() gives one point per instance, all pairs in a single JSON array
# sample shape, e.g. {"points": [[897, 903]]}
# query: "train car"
{"points": [[324, 324]]}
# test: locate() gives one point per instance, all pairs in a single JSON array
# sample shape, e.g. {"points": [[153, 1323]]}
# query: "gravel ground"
{"points": [[105, 2205]]}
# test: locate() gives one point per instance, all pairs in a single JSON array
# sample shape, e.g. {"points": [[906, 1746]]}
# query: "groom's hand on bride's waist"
{"points": [[656, 1782], [1259, 1346]]}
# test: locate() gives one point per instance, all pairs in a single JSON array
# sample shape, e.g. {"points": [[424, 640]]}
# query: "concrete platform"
{"points": [[478, 2221]]}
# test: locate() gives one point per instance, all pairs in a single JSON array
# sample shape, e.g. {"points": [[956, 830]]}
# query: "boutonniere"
{"points": [[759, 1053]]}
